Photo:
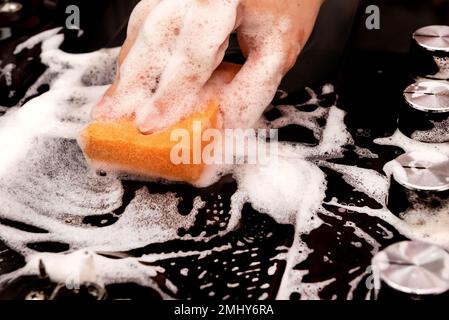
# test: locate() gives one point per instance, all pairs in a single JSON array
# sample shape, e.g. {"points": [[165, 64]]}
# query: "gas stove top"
{"points": [[362, 212]]}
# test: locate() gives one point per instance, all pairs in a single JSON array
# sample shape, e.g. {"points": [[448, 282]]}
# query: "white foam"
{"points": [[398, 139], [179, 45], [45, 182], [172, 49], [67, 190], [438, 134], [85, 266], [288, 179], [35, 40], [369, 182], [6, 72]]}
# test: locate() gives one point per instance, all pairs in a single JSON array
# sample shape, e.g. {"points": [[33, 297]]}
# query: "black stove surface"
{"points": [[369, 91]]}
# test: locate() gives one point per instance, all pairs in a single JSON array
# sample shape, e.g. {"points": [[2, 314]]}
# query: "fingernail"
{"points": [[146, 119], [143, 129]]}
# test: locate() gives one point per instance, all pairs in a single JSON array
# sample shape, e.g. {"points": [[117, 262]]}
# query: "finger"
{"points": [[222, 76], [271, 35], [146, 58], [246, 97], [102, 110], [200, 49], [136, 20], [294, 20], [271, 39]]}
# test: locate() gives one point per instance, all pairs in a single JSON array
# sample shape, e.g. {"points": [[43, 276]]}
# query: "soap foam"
{"points": [[398, 139], [438, 134], [245, 99], [179, 45], [36, 39], [6, 72], [45, 182], [285, 198], [172, 49], [422, 222]]}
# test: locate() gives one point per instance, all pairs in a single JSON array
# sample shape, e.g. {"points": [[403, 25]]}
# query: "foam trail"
{"points": [[45, 183]]}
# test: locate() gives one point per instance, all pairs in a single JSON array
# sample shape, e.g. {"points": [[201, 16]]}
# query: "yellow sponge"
{"points": [[120, 146]]}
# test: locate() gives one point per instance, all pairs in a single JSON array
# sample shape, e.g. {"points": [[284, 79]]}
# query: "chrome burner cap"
{"points": [[428, 96], [433, 38], [413, 267], [10, 7], [422, 171]]}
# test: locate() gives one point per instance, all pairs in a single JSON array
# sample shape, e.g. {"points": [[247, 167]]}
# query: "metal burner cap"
{"points": [[422, 171], [433, 38], [413, 267], [428, 96], [10, 7]]}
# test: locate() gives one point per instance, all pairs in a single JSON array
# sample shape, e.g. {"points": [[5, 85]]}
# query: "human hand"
{"points": [[171, 61]]}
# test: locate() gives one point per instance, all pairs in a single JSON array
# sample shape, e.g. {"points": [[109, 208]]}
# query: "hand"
{"points": [[171, 61]]}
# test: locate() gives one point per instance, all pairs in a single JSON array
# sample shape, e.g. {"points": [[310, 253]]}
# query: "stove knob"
{"points": [[430, 53], [424, 112], [419, 181], [411, 270]]}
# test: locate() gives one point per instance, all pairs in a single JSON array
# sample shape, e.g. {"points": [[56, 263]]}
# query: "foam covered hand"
{"points": [[171, 61]]}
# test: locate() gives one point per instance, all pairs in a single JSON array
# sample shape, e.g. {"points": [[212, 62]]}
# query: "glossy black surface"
{"points": [[370, 90]]}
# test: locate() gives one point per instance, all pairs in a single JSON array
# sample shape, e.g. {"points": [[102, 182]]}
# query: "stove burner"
{"points": [[413, 267]]}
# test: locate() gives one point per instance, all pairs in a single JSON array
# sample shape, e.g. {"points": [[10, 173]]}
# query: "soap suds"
{"points": [[438, 134], [45, 183], [37, 39], [6, 72]]}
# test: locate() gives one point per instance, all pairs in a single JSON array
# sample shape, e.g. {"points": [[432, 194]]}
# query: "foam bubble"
{"points": [[46, 183]]}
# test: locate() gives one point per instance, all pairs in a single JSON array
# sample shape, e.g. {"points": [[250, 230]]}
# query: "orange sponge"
{"points": [[121, 147]]}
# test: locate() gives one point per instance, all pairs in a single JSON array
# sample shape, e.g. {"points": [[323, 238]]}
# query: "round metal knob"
{"points": [[422, 171], [413, 267], [430, 52], [433, 38], [424, 113], [418, 180], [428, 96]]}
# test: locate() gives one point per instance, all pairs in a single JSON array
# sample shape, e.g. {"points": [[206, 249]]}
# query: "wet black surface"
{"points": [[237, 272], [243, 263]]}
